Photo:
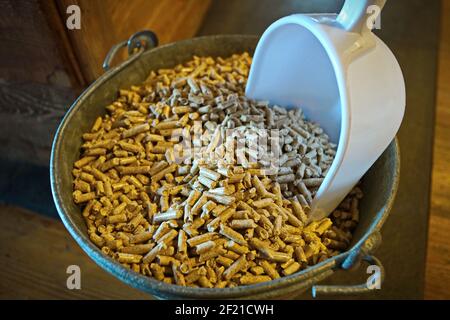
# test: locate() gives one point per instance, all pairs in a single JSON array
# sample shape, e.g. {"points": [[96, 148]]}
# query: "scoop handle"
{"points": [[355, 14]]}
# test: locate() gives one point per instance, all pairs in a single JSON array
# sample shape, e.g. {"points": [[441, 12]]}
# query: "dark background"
{"points": [[410, 29]]}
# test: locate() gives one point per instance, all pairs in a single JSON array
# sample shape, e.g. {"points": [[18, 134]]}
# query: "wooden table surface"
{"points": [[35, 251], [437, 284]]}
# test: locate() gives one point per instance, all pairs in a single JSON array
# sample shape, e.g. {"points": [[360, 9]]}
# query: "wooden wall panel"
{"points": [[44, 66], [28, 50], [36, 82], [107, 22]]}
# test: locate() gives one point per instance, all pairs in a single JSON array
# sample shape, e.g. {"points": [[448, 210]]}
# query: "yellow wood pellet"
{"points": [[237, 266], [128, 258], [84, 161], [252, 279], [80, 197], [138, 249]]}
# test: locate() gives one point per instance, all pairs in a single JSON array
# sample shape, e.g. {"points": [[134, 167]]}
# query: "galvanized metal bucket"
{"points": [[379, 184]]}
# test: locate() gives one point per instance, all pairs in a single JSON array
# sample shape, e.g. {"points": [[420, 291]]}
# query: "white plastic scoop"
{"points": [[344, 78]]}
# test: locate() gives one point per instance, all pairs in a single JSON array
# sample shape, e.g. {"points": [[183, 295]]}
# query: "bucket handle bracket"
{"points": [[321, 290], [359, 254], [137, 43]]}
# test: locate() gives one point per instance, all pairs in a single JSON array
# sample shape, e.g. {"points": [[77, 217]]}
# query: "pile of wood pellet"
{"points": [[206, 215]]}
